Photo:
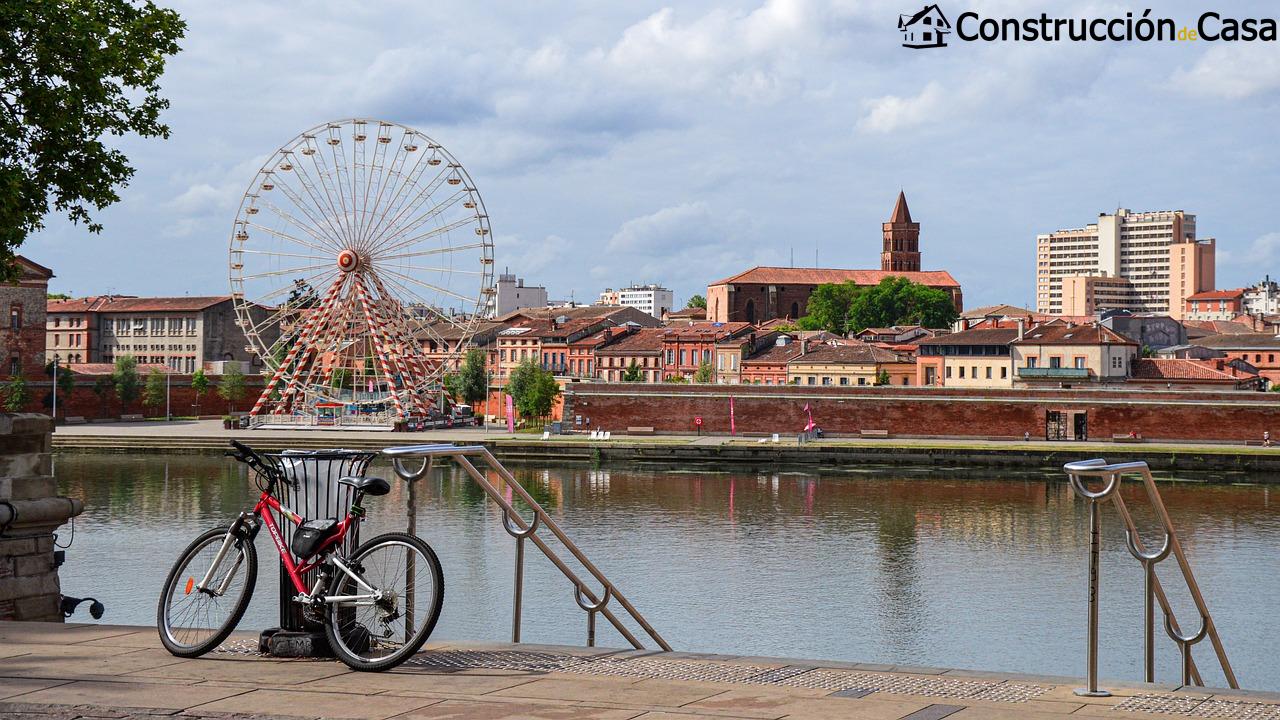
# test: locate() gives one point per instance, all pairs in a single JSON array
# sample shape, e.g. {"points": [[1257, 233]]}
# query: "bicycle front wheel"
{"points": [[393, 607], [204, 596]]}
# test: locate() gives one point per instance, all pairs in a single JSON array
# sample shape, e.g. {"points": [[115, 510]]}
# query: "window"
{"points": [[671, 356], [974, 373], [157, 326], [827, 380], [1079, 360], [961, 372], [844, 381], [1004, 373], [706, 356], [1055, 362], [812, 380], [948, 371], [682, 357], [57, 322], [720, 362], [988, 372], [15, 318], [15, 365], [1031, 362], [862, 381]]}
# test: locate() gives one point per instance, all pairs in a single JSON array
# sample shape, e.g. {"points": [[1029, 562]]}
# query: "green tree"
{"points": [[697, 301], [828, 307], [65, 382], [633, 373], [153, 389], [74, 74], [703, 373], [231, 388], [898, 301], [199, 386], [16, 394], [125, 381], [101, 387], [473, 377], [532, 389], [677, 380], [882, 377]]}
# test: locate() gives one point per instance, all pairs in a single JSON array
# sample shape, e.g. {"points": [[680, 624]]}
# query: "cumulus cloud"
{"points": [[1232, 71]]}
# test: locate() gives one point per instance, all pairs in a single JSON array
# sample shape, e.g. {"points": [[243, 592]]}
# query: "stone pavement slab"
{"points": [[65, 672]]}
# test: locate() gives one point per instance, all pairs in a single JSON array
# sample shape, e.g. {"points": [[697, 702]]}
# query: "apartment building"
{"points": [[512, 294], [685, 349], [653, 300], [846, 365], [1059, 353], [643, 347], [1214, 305], [978, 357], [180, 333], [1137, 261]]}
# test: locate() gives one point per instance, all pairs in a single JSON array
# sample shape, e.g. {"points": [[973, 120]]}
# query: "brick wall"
{"points": [[83, 402], [30, 512], [27, 342], [930, 412]]}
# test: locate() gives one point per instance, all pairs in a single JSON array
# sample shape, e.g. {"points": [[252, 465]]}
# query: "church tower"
{"points": [[901, 240]]}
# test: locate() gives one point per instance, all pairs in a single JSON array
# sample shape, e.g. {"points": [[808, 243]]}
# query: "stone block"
{"points": [[41, 608], [19, 464], [31, 487], [32, 565], [11, 546]]}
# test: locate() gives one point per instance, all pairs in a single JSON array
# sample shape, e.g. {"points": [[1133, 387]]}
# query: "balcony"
{"points": [[1053, 373]]}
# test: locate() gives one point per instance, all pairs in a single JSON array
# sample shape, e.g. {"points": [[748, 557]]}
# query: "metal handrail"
{"points": [[1113, 474], [518, 528]]}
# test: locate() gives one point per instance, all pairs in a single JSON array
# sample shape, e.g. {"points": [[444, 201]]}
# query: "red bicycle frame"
{"points": [[296, 569]]}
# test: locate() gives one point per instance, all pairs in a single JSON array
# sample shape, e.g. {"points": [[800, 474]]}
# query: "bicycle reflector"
{"points": [[191, 582]]}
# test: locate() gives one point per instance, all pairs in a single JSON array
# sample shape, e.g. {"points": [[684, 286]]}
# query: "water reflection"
{"points": [[895, 565]]}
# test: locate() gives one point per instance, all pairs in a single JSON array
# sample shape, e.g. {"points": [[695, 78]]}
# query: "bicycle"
{"points": [[368, 602]]}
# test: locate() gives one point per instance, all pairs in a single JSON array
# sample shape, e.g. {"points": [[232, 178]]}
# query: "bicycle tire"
{"points": [[163, 620], [339, 644]]}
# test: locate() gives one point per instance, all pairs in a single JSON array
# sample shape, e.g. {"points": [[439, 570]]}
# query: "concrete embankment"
{"points": [[1211, 463]]}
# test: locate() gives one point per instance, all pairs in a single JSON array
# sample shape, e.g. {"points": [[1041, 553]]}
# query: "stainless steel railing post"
{"points": [[1148, 560], [518, 592], [1094, 498]]}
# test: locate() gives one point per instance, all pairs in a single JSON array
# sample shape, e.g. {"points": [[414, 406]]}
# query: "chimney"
{"points": [[1022, 327], [964, 324]]}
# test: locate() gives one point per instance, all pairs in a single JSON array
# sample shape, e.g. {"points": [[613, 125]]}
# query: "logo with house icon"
{"points": [[926, 29]]}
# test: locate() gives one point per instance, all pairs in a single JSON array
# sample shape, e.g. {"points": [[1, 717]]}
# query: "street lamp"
{"points": [[55, 389]]}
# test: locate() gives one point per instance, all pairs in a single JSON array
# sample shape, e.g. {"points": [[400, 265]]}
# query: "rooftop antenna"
{"points": [[793, 257]]}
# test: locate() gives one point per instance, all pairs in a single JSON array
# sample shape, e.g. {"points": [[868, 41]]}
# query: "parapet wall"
{"points": [[927, 412], [30, 512]]}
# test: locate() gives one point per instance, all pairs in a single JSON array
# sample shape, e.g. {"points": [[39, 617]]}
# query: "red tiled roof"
{"points": [[1062, 333], [706, 331], [1241, 341], [1218, 295], [693, 312], [117, 304], [1186, 369], [644, 340], [979, 336], [1221, 327], [774, 354], [818, 276], [856, 354]]}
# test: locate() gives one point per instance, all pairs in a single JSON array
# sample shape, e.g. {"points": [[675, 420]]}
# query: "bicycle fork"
{"points": [[244, 527]]}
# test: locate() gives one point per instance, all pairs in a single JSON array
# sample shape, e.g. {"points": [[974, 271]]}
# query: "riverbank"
{"points": [[69, 671], [1205, 461]]}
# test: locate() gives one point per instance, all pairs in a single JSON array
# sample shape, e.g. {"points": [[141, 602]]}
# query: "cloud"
{"points": [[1233, 71], [892, 113], [1262, 252]]}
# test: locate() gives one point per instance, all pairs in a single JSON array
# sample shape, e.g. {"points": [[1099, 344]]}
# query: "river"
{"points": [[898, 565]]}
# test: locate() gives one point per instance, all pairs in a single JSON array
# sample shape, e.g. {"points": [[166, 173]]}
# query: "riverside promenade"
{"points": [[62, 672], [209, 437]]}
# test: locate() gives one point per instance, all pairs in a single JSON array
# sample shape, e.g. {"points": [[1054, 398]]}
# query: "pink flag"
{"points": [[811, 425], [733, 426], [511, 415]]}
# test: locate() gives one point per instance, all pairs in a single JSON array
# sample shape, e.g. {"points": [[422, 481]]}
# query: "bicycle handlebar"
{"points": [[253, 459]]}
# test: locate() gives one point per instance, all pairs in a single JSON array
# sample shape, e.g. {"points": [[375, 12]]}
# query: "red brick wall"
{"points": [[1234, 416], [84, 403]]}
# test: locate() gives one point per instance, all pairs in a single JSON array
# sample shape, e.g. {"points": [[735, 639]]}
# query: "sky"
{"points": [[643, 142]]}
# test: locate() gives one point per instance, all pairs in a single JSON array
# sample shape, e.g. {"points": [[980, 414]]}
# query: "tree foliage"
{"points": [[231, 388], [125, 380], [153, 390], [829, 306], [703, 373], [898, 301], [16, 394], [199, 386], [72, 74], [846, 308], [633, 373], [473, 377], [532, 389], [697, 301], [677, 380]]}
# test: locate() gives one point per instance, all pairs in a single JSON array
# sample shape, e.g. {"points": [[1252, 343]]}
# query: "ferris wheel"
{"points": [[359, 243]]}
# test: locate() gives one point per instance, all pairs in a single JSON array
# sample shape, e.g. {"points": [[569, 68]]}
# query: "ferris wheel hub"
{"points": [[348, 260]]}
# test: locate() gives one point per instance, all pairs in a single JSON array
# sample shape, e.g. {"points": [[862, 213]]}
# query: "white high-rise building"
{"points": [[1142, 262], [651, 299]]}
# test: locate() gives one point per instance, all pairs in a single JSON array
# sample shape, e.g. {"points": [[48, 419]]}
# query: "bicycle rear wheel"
{"points": [[192, 621], [369, 634]]}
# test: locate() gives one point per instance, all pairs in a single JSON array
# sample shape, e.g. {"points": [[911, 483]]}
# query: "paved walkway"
{"points": [[212, 429], [70, 671]]}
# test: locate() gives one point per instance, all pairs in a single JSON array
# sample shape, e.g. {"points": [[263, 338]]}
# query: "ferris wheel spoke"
{"points": [[403, 181], [412, 226], [422, 302], [392, 173], [429, 286], [442, 230], [409, 205], [342, 182], [287, 236], [324, 207], [313, 282], [383, 265], [326, 185], [287, 271], [284, 254], [433, 251], [374, 174], [316, 227]]}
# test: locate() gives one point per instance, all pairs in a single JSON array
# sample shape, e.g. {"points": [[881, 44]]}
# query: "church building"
{"points": [[767, 293]]}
